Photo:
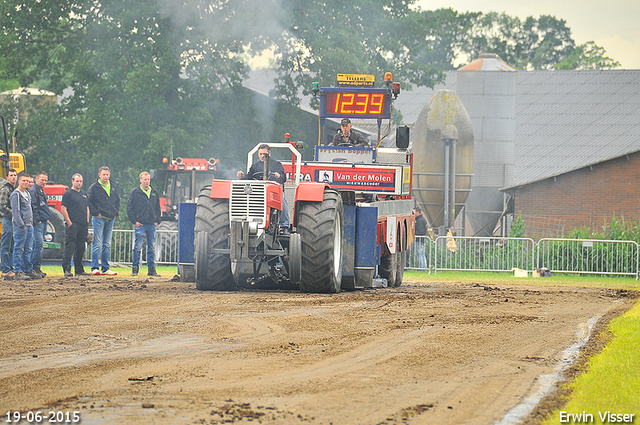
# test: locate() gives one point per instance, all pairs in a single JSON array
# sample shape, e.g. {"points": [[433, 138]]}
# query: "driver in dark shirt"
{"points": [[348, 137], [276, 174], [276, 170]]}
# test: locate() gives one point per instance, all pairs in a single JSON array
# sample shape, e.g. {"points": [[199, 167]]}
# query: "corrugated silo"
{"points": [[442, 145], [487, 88]]}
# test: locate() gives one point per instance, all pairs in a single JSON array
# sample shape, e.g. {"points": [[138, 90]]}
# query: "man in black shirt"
{"points": [[143, 211], [348, 137], [75, 209], [276, 174]]}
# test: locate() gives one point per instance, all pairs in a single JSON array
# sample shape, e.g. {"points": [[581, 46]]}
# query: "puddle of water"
{"points": [[546, 383]]}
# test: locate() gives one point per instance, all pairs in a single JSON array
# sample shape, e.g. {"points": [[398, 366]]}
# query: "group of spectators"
{"points": [[25, 211]]}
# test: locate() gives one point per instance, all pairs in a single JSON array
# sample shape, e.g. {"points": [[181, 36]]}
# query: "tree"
{"points": [[363, 37], [535, 43], [141, 75], [143, 78], [587, 56]]}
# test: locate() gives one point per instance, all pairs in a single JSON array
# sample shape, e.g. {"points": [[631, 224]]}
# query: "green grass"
{"points": [[558, 279], [612, 382], [164, 271]]}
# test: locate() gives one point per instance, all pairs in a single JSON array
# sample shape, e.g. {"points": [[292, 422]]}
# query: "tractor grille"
{"points": [[248, 201]]}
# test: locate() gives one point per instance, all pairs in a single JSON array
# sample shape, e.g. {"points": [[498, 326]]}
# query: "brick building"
{"points": [[588, 197]]}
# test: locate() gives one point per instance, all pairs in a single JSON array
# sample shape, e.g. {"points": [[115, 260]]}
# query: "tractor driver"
{"points": [[347, 137], [276, 174]]}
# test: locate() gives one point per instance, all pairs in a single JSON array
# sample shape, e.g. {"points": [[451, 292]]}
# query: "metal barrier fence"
{"points": [[583, 256], [122, 247], [588, 256], [473, 254]]}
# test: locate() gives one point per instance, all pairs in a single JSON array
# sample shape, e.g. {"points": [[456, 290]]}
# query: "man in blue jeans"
{"points": [[143, 210], [6, 252], [421, 240], [104, 205], [22, 228], [41, 214]]}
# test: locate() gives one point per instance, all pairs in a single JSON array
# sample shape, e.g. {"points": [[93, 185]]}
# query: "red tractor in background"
{"points": [[179, 181], [55, 232]]}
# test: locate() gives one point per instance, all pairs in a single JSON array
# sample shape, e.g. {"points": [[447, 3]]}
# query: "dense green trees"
{"points": [[144, 78]]}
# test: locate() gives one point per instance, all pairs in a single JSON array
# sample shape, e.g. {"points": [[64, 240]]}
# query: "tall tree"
{"points": [[140, 76], [361, 36], [535, 43], [587, 56]]}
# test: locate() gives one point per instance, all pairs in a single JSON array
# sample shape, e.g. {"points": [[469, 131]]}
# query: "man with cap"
{"points": [[347, 137], [276, 174]]}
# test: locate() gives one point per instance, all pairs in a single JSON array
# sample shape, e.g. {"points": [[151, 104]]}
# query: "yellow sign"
{"points": [[356, 80], [406, 180]]}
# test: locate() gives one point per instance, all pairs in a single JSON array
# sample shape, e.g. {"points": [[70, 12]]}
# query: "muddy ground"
{"points": [[140, 351]]}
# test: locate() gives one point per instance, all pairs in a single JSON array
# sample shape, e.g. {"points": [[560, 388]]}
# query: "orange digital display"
{"points": [[355, 103]]}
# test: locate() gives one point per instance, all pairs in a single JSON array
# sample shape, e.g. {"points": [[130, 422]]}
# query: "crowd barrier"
{"points": [[459, 253], [558, 255]]}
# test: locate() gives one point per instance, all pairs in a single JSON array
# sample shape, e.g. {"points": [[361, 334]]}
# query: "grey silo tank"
{"points": [[487, 88]]}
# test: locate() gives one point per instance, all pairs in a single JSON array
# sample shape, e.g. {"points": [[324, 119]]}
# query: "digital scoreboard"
{"points": [[355, 103]]}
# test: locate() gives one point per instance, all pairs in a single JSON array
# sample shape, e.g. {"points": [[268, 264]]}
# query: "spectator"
{"points": [[104, 205], [75, 210], [6, 251], [41, 214], [22, 221], [143, 210], [421, 233]]}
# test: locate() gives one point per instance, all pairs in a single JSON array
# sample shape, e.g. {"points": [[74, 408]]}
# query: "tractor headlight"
{"points": [[253, 227]]}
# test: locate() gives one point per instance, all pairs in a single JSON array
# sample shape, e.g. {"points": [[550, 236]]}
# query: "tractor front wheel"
{"points": [[55, 232], [213, 271], [321, 229]]}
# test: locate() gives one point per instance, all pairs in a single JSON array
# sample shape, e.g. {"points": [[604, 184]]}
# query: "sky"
{"points": [[612, 24]]}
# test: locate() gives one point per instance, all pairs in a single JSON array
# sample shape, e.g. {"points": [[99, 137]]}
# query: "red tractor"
{"points": [[55, 233], [351, 209], [180, 181]]}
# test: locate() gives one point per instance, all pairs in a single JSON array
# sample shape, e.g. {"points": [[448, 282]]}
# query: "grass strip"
{"points": [[164, 271], [610, 389], [505, 278]]}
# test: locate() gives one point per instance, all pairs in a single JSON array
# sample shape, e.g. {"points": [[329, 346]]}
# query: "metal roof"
{"points": [[596, 118], [565, 120]]}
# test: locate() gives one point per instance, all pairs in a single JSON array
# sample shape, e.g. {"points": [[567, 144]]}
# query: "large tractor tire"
{"points": [[402, 259], [167, 243], [213, 271], [321, 229], [55, 232], [388, 269]]}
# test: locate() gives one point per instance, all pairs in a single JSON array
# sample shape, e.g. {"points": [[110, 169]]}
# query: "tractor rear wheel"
{"points": [[167, 242], [213, 271], [388, 269], [402, 259], [321, 229]]}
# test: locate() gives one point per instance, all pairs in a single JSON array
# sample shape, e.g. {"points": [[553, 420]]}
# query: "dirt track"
{"points": [[134, 351]]}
